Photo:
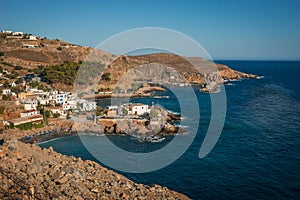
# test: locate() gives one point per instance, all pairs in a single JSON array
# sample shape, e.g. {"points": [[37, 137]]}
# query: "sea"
{"points": [[257, 155]]}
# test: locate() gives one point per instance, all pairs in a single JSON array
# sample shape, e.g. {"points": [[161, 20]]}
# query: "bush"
{"points": [[6, 97], [8, 64], [1, 53], [2, 109], [56, 115], [106, 77], [37, 71], [26, 126], [18, 68], [39, 125], [34, 84], [59, 48], [66, 73], [47, 114]]}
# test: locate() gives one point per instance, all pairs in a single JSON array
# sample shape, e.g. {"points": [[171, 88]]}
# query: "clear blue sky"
{"points": [[227, 29]]}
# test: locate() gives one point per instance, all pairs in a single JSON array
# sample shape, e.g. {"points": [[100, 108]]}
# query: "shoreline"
{"points": [[14, 152]]}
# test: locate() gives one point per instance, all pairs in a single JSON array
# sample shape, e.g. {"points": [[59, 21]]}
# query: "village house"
{"points": [[70, 104], [27, 113], [6, 91], [14, 37], [53, 92], [137, 109], [30, 104], [57, 110], [17, 33], [61, 98], [87, 105], [23, 95], [29, 46], [32, 37], [44, 101], [114, 111], [7, 31]]}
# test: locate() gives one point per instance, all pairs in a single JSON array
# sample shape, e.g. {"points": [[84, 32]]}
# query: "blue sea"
{"points": [[258, 153]]}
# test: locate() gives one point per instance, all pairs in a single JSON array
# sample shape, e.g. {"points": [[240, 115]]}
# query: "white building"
{"points": [[6, 91], [17, 33], [61, 98], [58, 110], [70, 104], [54, 92], [6, 31], [44, 101], [30, 104], [137, 109], [13, 84], [88, 106], [29, 46], [28, 113], [32, 37]]}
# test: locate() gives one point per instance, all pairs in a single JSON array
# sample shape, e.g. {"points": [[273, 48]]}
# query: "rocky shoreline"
{"points": [[28, 172], [31, 172]]}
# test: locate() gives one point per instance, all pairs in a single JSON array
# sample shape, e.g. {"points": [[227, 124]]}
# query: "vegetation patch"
{"points": [[67, 72]]}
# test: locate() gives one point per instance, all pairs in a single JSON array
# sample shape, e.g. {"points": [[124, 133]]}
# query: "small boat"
{"points": [[259, 77]]}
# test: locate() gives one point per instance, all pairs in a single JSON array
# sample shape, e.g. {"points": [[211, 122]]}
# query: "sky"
{"points": [[227, 29]]}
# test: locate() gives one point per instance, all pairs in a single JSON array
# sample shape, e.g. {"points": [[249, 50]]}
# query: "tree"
{"points": [[19, 80], [2, 109], [34, 84], [18, 68], [6, 84], [106, 77], [47, 113], [56, 115], [1, 53], [6, 97]]}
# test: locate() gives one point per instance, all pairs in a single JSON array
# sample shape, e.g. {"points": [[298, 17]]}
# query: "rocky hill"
{"points": [[171, 68], [42, 51], [166, 68]]}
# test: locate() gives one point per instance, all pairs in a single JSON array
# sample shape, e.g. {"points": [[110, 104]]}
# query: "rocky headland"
{"points": [[161, 67]]}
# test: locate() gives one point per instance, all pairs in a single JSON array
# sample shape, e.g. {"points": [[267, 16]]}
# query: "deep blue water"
{"points": [[258, 153]]}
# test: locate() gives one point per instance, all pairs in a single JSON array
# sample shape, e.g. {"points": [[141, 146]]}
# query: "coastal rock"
{"points": [[55, 176]]}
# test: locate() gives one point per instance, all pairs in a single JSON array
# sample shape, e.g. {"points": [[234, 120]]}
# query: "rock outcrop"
{"points": [[30, 172]]}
